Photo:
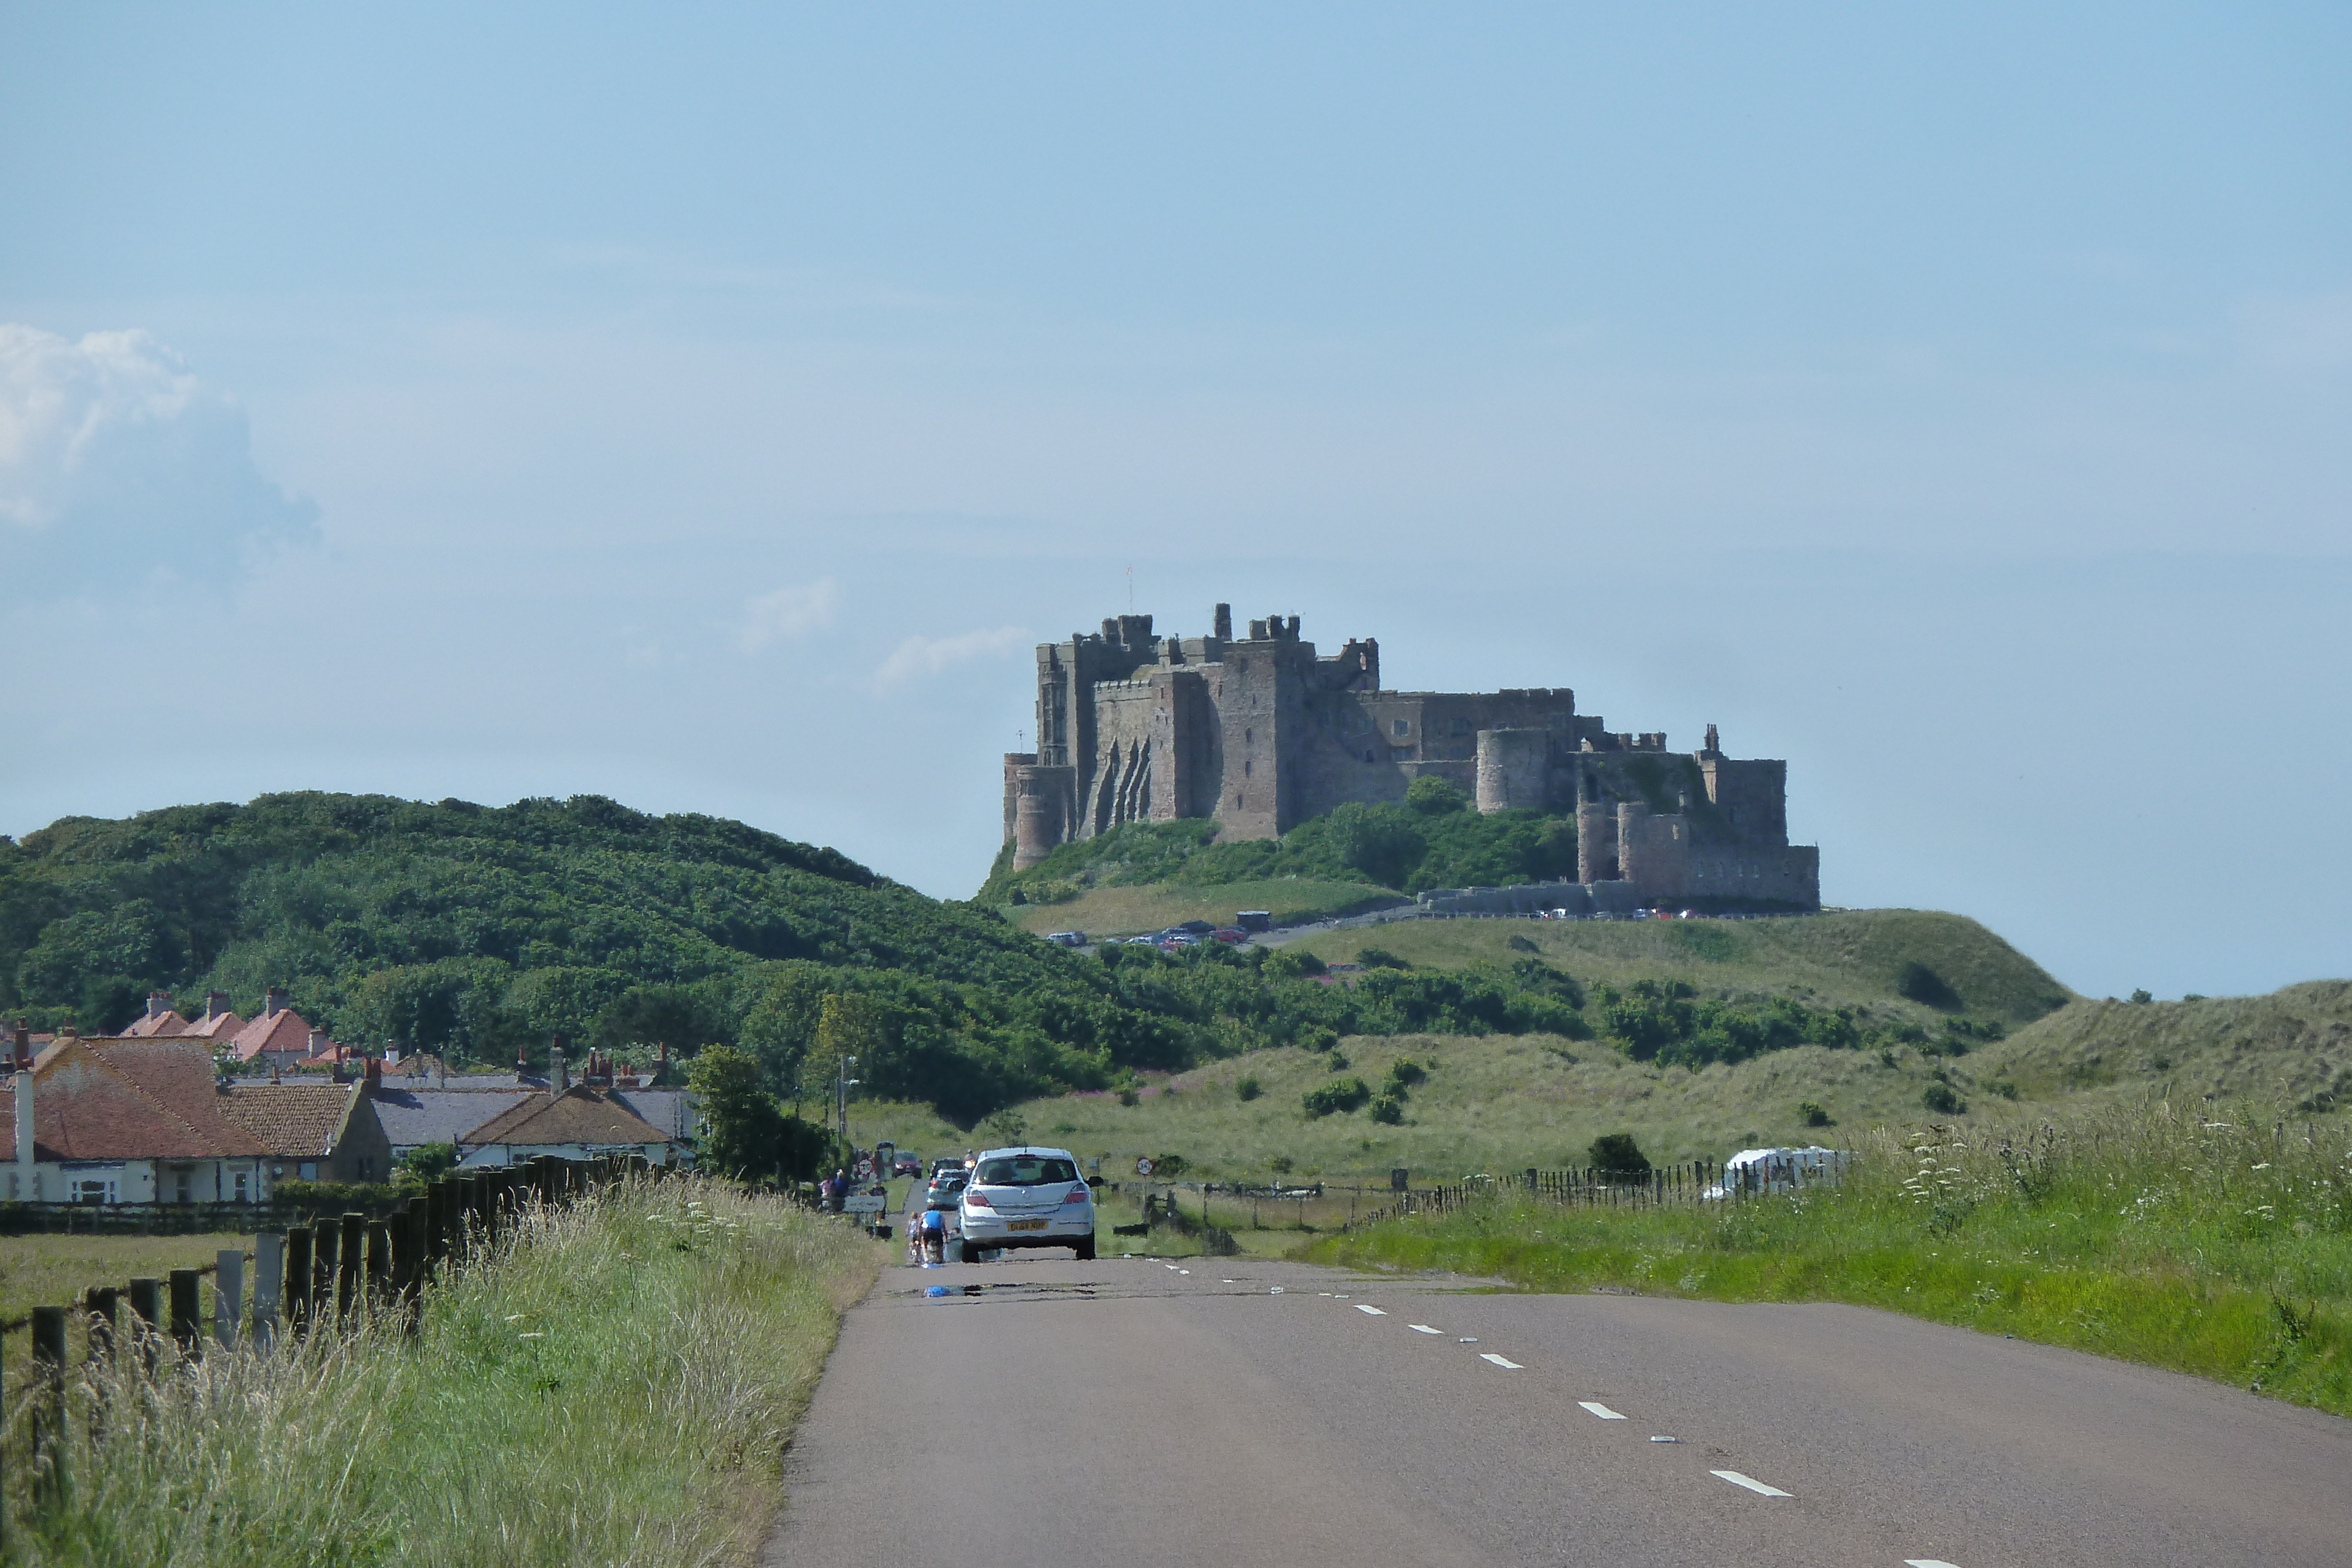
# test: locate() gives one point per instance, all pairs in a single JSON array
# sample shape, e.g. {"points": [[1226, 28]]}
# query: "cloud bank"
{"points": [[792, 610], [118, 465], [929, 655]]}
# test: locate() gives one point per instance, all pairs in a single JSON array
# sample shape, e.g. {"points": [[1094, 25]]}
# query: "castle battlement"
{"points": [[1261, 733]]}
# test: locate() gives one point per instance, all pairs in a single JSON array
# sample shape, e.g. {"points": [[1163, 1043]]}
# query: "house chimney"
{"points": [[558, 1078], [392, 1051], [215, 1003], [24, 1047], [273, 1001], [28, 1175], [318, 1041], [522, 1061], [158, 1004], [374, 1074]]}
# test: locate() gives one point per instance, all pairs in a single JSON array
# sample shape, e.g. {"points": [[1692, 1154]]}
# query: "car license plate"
{"points": [[1025, 1225]]}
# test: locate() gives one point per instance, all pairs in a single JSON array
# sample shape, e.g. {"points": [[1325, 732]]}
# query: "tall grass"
{"points": [[2208, 1242], [615, 1386]]}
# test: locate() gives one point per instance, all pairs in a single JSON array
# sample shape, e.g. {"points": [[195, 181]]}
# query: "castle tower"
{"points": [[1511, 765]]}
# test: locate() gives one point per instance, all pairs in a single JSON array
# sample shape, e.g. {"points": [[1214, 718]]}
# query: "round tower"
{"points": [[1511, 768]]}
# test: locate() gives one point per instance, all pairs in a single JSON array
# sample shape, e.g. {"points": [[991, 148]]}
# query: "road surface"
{"points": [[1133, 1413]]}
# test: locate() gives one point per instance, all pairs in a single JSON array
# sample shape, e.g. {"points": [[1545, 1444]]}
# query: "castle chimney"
{"points": [[1222, 622], [1257, 632], [1292, 630], [1714, 747], [273, 1001]]}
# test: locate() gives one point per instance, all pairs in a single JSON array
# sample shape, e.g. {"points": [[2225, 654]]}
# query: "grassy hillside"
{"points": [[1119, 911], [2292, 1047], [1851, 959]]}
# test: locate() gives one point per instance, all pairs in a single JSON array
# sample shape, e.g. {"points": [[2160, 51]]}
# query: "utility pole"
{"points": [[843, 1085]]}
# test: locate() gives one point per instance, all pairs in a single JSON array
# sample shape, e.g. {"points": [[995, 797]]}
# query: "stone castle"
{"points": [[1262, 733]]}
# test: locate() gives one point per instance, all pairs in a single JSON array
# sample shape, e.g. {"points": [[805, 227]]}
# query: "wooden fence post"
{"points": [[228, 1297], [105, 1319], [147, 1317], [301, 1271], [436, 1223], [350, 1261], [379, 1263], [187, 1317], [326, 1263], [268, 1287], [48, 1392]]}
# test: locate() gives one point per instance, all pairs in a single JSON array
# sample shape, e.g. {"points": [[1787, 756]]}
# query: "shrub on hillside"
{"points": [[1388, 1109], [1434, 797], [1404, 1072], [1249, 1088], [1380, 958], [1926, 987], [1812, 1114], [1522, 945], [1943, 1099], [1338, 1097]]}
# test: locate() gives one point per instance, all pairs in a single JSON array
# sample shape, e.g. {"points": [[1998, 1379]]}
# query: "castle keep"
{"points": [[1261, 733]]}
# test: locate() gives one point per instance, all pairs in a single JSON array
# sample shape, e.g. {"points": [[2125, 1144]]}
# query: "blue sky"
{"points": [[708, 409]]}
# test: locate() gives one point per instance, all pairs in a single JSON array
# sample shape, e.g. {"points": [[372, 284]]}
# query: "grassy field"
{"points": [[53, 1270], [617, 1387], [1128, 911], [2212, 1242]]}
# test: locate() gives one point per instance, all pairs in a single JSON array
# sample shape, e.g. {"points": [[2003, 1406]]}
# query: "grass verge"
{"points": [[2210, 1243], [615, 1387]]}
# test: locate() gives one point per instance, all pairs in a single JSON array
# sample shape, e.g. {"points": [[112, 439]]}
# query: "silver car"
{"points": [[1026, 1197]]}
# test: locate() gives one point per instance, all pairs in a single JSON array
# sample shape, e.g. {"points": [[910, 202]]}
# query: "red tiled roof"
{"points": [[294, 1121], [218, 1026], [167, 1022], [178, 1074], [578, 1115], [284, 1033], [87, 1108]]}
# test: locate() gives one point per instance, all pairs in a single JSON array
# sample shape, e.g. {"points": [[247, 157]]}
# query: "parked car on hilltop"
{"points": [[1067, 939]]}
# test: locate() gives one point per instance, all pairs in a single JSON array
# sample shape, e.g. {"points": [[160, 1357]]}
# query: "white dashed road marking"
{"points": [[1424, 1328], [1750, 1482], [1374, 1311], [1601, 1410], [1925, 1562], [1498, 1360]]}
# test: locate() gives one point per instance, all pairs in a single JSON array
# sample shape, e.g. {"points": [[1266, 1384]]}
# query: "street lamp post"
{"points": [[843, 1084]]}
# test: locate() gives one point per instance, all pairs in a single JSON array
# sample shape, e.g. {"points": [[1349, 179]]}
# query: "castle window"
{"points": [[1245, 768], [1400, 726]]}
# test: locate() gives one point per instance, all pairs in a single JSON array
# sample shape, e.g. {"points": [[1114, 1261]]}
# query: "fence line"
{"points": [[310, 1279]]}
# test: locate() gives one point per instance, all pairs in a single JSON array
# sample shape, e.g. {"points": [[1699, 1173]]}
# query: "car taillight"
{"points": [[977, 1199], [1077, 1195]]}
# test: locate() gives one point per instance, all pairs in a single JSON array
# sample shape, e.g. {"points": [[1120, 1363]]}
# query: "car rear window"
{"points": [[1026, 1170]]}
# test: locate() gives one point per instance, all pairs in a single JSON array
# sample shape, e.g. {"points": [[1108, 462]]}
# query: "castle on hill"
{"points": [[1261, 733]]}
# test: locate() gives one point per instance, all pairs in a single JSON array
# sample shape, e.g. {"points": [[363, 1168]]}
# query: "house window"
{"points": [[307, 1170], [92, 1189], [241, 1179], [1400, 726], [184, 1186]]}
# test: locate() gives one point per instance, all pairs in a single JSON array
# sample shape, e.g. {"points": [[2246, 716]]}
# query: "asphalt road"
{"points": [[1232, 1412]]}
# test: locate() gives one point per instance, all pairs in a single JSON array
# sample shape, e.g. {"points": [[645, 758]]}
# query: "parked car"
{"points": [[1192, 928], [945, 1164], [907, 1164], [1026, 1197], [1228, 936], [1067, 939], [1254, 919]]}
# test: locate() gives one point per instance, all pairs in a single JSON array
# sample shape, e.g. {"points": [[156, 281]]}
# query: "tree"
{"points": [[1435, 797], [1618, 1158], [744, 1131]]}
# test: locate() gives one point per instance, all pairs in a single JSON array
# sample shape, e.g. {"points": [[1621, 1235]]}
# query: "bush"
{"points": [[2142, 997], [1128, 1097], [1435, 797], [1617, 1157], [1279, 1165], [1943, 1099], [1522, 945], [1290, 962], [1380, 958], [1812, 1114], [1404, 1072], [1388, 1109], [1339, 1096], [1249, 1088], [1167, 1164]]}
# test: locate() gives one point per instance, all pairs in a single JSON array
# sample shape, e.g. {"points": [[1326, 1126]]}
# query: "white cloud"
{"points": [[792, 610], [929, 655], [116, 463]]}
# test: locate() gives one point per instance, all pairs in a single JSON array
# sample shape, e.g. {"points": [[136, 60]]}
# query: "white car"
{"points": [[1026, 1197]]}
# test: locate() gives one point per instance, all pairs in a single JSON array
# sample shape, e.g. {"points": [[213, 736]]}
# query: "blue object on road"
{"points": [[936, 1290]]}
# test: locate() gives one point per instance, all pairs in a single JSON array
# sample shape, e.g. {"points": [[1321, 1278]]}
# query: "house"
{"points": [[416, 1118], [220, 1022], [159, 1019], [124, 1120], [313, 1132], [574, 1123], [280, 1038]]}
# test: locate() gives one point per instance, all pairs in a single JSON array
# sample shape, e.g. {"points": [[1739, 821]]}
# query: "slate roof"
{"points": [[578, 1115], [414, 1116], [292, 1121], [664, 1110]]}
